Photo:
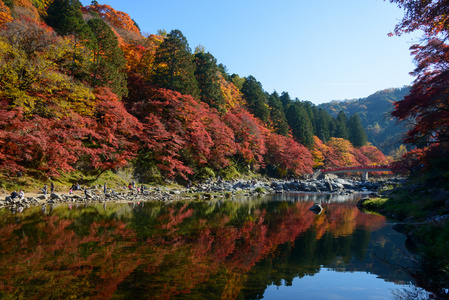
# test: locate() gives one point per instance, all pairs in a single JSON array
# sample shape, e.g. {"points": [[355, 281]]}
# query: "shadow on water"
{"points": [[197, 250]]}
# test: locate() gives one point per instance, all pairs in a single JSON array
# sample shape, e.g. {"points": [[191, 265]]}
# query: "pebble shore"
{"points": [[206, 190]]}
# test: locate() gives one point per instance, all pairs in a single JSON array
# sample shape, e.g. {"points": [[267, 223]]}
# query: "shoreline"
{"points": [[201, 191]]}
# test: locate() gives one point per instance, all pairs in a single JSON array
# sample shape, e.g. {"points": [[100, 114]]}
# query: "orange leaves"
{"points": [[25, 8], [116, 18], [5, 14], [338, 152]]}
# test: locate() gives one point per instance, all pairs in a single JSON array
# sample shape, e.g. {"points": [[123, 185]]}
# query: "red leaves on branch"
{"points": [[287, 155], [114, 132], [427, 105], [53, 145], [374, 155], [249, 136]]}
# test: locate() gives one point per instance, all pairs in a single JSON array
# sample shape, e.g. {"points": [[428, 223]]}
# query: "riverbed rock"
{"points": [[316, 209], [330, 176], [55, 196]]}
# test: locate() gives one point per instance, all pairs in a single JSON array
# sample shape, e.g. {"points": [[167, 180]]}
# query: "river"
{"points": [[270, 247]]}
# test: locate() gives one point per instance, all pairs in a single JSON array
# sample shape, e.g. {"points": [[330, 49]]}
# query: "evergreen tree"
{"points": [[285, 99], [108, 64], [309, 109], [237, 80], [255, 98], [208, 81], [224, 72], [65, 16], [277, 114], [341, 122], [357, 134], [9, 3], [174, 66], [300, 125], [324, 125]]}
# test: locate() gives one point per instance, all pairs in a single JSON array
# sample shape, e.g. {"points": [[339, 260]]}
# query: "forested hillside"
{"points": [[82, 90], [383, 130]]}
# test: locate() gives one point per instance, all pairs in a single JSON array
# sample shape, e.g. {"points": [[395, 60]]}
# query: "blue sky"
{"points": [[319, 50]]}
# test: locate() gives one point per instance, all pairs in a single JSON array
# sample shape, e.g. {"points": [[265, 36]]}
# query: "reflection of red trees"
{"points": [[56, 264], [342, 220], [178, 255]]}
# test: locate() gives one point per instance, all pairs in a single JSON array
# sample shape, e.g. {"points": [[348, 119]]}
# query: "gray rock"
{"points": [[330, 176], [55, 196], [329, 186], [316, 209]]}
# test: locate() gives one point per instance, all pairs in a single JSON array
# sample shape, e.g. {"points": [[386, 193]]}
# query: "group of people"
{"points": [[20, 195], [75, 187], [45, 189], [132, 186]]}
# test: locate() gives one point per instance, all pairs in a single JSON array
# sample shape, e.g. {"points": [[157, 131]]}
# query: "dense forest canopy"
{"points": [[81, 89], [382, 130]]}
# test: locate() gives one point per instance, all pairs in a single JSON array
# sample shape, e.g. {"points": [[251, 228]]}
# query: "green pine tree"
{"points": [[174, 66], [286, 101], [300, 124], [65, 16], [206, 74], [108, 64], [277, 114], [341, 122], [324, 125], [357, 134], [256, 99]]}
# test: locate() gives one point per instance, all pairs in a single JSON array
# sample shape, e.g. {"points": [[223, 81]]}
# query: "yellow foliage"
{"points": [[65, 94], [318, 153], [230, 92], [343, 148], [34, 84]]}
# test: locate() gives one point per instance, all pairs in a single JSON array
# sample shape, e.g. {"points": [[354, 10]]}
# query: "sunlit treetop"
{"points": [[428, 15]]}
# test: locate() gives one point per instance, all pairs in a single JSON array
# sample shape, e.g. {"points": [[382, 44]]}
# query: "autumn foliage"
{"points": [[60, 113], [96, 251], [426, 107]]}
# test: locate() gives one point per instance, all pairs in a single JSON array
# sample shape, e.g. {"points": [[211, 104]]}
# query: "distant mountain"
{"points": [[383, 131]]}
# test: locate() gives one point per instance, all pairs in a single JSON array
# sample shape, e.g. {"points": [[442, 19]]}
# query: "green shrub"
{"points": [[230, 172], [205, 173]]}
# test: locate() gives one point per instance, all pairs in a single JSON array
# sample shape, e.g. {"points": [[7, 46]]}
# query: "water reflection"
{"points": [[217, 249]]}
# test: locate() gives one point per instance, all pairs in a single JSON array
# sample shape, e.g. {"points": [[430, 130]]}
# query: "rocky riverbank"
{"points": [[206, 190]]}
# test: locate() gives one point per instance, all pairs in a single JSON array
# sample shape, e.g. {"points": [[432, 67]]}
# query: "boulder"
{"points": [[316, 209], [330, 177], [328, 186], [55, 196]]}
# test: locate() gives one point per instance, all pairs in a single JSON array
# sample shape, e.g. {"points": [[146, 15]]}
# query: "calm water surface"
{"points": [[272, 247]]}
